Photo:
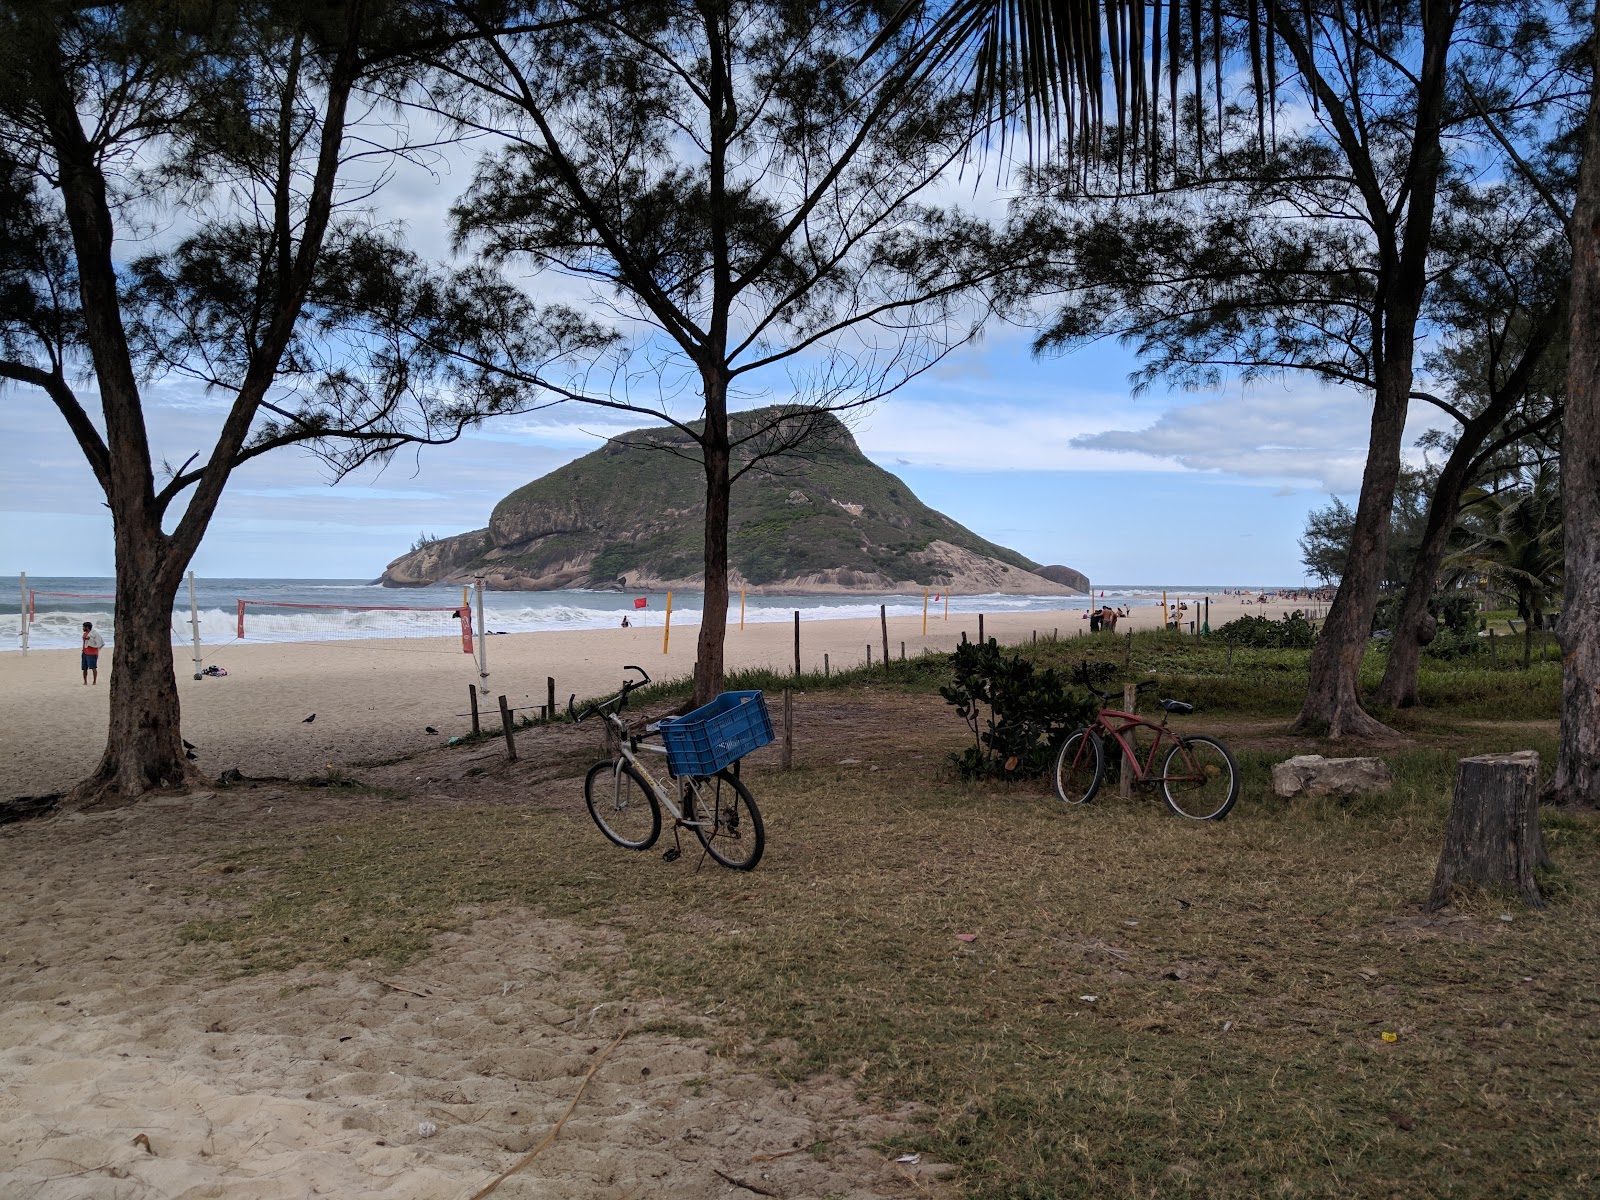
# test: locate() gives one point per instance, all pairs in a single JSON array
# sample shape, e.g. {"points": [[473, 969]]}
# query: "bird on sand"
{"points": [[187, 744], [309, 719], [429, 729]]}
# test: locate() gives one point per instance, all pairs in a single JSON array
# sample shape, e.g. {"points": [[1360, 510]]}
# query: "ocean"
{"points": [[351, 608]]}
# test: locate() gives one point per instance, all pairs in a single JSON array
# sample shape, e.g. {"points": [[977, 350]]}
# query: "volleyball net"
{"points": [[270, 620]]}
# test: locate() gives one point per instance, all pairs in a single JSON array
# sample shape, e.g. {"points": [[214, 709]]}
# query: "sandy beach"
{"points": [[374, 699]]}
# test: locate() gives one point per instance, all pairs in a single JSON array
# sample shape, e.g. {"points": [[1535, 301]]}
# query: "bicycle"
{"points": [[625, 799], [1198, 776]]}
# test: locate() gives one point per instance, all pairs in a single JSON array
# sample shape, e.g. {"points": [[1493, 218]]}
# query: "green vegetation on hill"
{"points": [[636, 507]]}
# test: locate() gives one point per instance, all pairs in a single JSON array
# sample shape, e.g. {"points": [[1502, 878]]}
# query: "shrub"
{"points": [[1292, 632], [1029, 710]]}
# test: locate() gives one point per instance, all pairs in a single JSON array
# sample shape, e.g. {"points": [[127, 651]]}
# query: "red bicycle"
{"points": [[1198, 775]]}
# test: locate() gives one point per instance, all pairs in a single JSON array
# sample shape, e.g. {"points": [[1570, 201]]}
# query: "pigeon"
{"points": [[187, 744], [309, 719], [429, 729]]}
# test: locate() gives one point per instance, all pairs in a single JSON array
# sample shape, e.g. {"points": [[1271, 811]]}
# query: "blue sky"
{"points": [[1052, 457]]}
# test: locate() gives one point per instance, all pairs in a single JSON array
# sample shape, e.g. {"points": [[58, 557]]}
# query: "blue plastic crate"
{"points": [[704, 741]]}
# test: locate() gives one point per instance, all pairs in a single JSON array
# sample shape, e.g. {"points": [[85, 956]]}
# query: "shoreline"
{"points": [[375, 698]]}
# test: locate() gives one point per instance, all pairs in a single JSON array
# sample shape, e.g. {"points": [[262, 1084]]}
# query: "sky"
{"points": [[1053, 457]]}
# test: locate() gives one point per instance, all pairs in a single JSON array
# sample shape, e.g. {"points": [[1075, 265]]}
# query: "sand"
{"points": [[129, 1069], [375, 699]]}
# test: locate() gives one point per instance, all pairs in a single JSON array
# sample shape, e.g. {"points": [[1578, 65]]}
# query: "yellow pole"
{"points": [[924, 612], [947, 606], [666, 630], [465, 603], [741, 608]]}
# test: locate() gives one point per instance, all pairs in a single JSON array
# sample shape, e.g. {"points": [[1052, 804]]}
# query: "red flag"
{"points": [[641, 602]]}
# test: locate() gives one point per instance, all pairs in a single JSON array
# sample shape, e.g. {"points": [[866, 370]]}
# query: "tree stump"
{"points": [[1492, 837]]}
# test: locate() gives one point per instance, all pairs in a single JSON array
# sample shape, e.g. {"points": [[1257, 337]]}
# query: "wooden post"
{"points": [[883, 623], [472, 695], [1492, 838], [869, 655], [1492, 663], [550, 695], [980, 629], [902, 652], [1035, 637], [824, 666], [797, 641], [666, 626], [1130, 697], [787, 757], [505, 726]]}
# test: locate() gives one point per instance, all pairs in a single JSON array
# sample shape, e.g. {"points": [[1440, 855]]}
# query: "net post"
{"points": [[194, 624], [483, 645], [24, 613], [241, 617]]}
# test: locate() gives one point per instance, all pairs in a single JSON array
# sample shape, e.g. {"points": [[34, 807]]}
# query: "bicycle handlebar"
{"points": [[628, 685]]}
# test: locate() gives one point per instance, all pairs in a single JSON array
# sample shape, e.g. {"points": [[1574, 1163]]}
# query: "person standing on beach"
{"points": [[92, 642]]}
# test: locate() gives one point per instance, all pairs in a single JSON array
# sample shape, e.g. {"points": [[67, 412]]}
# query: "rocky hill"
{"points": [[629, 516]]}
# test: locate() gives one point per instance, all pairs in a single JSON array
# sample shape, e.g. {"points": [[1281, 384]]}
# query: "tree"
{"points": [[749, 196], [1576, 780], [1326, 544], [1515, 547], [276, 294], [1316, 253]]}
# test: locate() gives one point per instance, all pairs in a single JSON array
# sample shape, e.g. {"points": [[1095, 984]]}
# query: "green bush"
{"points": [[1292, 632], [1029, 710]]}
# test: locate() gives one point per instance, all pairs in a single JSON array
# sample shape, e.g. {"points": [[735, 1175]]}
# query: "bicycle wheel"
{"points": [[622, 804], [1200, 779], [732, 833], [1080, 766]]}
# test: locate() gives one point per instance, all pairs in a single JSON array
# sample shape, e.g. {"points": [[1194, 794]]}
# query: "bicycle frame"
{"points": [[627, 751], [1143, 772]]}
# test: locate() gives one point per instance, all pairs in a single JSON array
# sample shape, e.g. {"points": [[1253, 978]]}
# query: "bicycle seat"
{"points": [[1177, 707]]}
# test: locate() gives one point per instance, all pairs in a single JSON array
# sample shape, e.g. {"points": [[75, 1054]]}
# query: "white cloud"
{"points": [[1315, 437]]}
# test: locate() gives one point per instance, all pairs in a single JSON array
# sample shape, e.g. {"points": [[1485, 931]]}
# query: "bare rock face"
{"points": [[438, 559], [1066, 577], [1313, 775]]}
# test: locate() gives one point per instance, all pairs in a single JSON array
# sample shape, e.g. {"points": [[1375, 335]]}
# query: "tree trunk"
{"points": [[1577, 775], [144, 748], [1399, 686], [1333, 702], [1492, 837], [709, 655]]}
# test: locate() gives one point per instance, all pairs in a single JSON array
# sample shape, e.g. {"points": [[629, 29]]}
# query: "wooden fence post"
{"points": [[1130, 697], [787, 761], [980, 629], [797, 641], [824, 666], [505, 725], [472, 695], [869, 655], [1492, 837], [883, 622], [550, 696], [902, 652]]}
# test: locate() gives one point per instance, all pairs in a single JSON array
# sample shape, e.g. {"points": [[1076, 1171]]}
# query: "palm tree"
{"points": [[1516, 547]]}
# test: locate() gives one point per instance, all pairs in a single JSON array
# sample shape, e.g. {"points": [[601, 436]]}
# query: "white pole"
{"points": [[194, 623], [483, 644], [22, 613]]}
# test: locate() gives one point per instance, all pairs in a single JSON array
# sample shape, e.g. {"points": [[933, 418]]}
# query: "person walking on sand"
{"points": [[92, 642]]}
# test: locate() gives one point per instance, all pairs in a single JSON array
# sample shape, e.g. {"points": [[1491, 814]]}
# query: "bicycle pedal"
{"points": [[672, 855]]}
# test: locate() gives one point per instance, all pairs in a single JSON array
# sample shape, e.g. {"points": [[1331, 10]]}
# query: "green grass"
{"points": [[1242, 973]]}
